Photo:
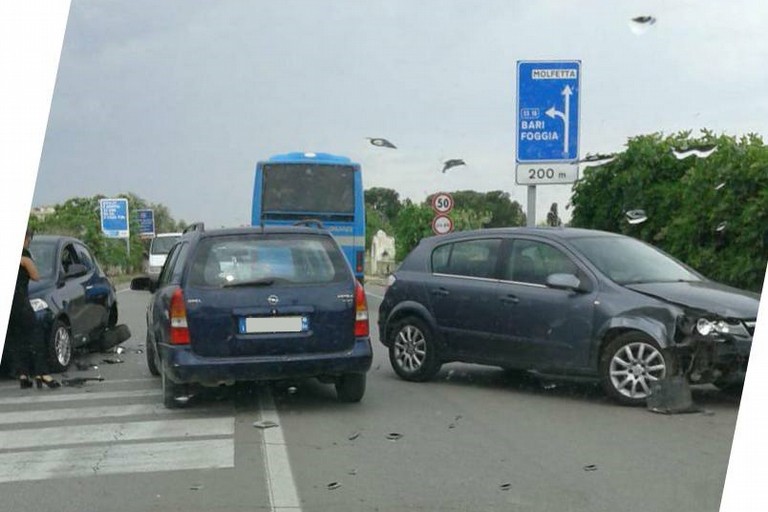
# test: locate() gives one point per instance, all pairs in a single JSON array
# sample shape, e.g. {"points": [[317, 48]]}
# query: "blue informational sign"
{"points": [[114, 217], [146, 223], [548, 111]]}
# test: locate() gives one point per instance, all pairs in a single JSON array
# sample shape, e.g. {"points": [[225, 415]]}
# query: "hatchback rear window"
{"points": [[240, 260]]}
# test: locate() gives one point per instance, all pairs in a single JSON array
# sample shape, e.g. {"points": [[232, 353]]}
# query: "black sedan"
{"points": [[568, 302], [76, 304]]}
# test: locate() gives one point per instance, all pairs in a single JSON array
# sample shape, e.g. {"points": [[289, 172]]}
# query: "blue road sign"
{"points": [[548, 111], [114, 217], [146, 223]]}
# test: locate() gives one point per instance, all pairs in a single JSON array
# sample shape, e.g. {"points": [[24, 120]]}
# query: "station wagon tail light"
{"points": [[361, 312], [179, 329]]}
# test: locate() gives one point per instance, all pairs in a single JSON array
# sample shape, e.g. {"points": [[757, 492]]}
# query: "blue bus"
{"points": [[293, 187]]}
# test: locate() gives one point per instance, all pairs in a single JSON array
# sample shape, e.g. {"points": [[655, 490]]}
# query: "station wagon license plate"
{"points": [[273, 324]]}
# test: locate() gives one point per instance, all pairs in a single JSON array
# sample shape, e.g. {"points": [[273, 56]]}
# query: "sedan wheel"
{"points": [[412, 351], [60, 347], [630, 365]]}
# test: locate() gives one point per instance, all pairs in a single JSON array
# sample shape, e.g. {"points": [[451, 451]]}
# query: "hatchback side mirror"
{"points": [[564, 282], [143, 284]]}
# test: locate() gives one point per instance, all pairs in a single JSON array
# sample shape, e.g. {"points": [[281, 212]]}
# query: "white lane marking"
{"points": [[374, 295], [67, 397], [155, 380], [280, 484], [8, 418], [115, 459], [112, 432]]}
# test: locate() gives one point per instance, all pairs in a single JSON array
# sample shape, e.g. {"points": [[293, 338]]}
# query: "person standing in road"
{"points": [[27, 347]]}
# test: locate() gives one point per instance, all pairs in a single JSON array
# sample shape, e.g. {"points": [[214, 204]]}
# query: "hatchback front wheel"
{"points": [[629, 366]]}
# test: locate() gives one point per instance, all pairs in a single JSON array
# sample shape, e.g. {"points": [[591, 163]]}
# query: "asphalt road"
{"points": [[473, 439]]}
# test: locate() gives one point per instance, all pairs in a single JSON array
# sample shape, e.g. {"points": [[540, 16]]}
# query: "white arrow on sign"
{"points": [[565, 116]]}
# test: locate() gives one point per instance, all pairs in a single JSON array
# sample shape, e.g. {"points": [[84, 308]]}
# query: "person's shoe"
{"points": [[25, 382], [48, 381]]}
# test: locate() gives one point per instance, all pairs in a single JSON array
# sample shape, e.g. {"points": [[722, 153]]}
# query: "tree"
{"points": [[385, 201], [553, 217], [413, 223], [496, 205], [710, 212], [80, 217]]}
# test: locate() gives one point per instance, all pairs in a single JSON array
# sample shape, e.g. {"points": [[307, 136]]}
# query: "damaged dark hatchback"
{"points": [[564, 301]]}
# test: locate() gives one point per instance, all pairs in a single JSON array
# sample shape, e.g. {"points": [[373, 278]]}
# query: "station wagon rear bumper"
{"points": [[184, 366]]}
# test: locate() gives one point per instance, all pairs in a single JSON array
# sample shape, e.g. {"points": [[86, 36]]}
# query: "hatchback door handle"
{"points": [[509, 299], [441, 292]]}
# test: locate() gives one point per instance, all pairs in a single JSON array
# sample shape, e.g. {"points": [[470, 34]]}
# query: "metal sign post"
{"points": [[548, 94]]}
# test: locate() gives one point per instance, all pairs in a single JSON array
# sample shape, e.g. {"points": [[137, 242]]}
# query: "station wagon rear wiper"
{"points": [[257, 282]]}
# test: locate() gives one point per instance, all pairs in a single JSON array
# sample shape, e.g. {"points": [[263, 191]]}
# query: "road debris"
{"points": [[505, 487], [353, 436], [82, 367], [590, 467], [113, 360], [352, 472], [79, 381], [264, 424], [333, 485], [394, 436], [195, 487]]}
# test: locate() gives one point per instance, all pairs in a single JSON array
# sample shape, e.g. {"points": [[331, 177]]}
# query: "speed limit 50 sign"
{"points": [[442, 203]]}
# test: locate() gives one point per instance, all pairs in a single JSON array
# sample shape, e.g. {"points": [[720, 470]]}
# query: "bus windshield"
{"points": [[286, 185]]}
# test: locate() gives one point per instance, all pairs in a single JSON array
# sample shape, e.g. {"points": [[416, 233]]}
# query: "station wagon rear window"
{"points": [[258, 260]]}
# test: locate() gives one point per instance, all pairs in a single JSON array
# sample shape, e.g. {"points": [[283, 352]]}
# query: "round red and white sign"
{"points": [[442, 225], [442, 202]]}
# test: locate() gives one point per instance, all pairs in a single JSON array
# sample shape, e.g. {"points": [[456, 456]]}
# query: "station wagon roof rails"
{"points": [[310, 223], [195, 226]]}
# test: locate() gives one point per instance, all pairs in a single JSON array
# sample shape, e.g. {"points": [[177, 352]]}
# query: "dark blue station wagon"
{"points": [[564, 301], [256, 304]]}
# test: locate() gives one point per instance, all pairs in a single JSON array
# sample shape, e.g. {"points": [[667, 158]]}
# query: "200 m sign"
{"points": [[546, 174]]}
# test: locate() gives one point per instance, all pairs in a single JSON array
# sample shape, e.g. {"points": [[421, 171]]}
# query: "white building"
{"points": [[382, 260]]}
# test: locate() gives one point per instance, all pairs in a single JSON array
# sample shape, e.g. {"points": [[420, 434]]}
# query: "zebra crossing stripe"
{"points": [[116, 459], [115, 432], [40, 416], [43, 398]]}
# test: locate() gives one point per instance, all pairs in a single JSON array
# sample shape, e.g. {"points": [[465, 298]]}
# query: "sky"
{"points": [[177, 100]]}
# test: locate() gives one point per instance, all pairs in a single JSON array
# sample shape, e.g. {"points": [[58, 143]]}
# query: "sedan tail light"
{"points": [[178, 314], [361, 312]]}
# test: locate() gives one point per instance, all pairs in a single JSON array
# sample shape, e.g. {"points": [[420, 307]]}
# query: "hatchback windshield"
{"points": [[628, 261], [44, 254]]}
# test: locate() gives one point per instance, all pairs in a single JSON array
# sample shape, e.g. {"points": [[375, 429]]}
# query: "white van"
{"points": [[158, 251]]}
